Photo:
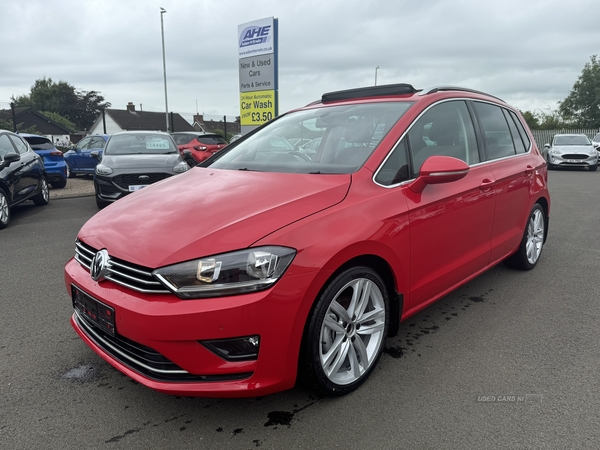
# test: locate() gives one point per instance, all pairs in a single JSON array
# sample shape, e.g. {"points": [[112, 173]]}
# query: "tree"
{"points": [[582, 105], [60, 120], [531, 119], [79, 107]]}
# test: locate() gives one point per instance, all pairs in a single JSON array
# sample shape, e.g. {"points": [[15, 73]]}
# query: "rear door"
{"points": [[513, 169]]}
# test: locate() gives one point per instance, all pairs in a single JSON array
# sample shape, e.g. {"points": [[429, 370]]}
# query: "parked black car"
{"points": [[22, 175], [133, 160]]}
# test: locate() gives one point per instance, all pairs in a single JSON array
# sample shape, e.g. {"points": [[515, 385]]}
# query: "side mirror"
{"points": [[438, 170], [95, 154], [188, 158], [11, 157], [546, 145]]}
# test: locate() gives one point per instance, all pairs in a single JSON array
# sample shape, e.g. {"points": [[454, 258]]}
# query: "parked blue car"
{"points": [[78, 158], [54, 161]]}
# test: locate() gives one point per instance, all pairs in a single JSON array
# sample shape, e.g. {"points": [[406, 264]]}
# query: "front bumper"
{"points": [[167, 331], [565, 160], [114, 187]]}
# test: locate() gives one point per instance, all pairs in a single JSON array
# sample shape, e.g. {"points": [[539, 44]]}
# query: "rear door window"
{"points": [[497, 136]]}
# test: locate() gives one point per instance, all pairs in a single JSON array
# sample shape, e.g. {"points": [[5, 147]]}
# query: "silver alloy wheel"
{"points": [[535, 236], [3, 208], [44, 191], [352, 332]]}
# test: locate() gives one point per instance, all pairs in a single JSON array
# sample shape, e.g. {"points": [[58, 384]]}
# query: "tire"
{"points": [[4, 210], [342, 345], [59, 184], [532, 243], [70, 173], [594, 168], [43, 197]]}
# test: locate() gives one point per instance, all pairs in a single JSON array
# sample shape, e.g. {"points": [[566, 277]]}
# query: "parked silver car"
{"points": [[596, 142], [572, 150]]}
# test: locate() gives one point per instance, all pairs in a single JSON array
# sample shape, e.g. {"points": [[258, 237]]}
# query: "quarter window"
{"points": [[521, 129], [444, 130], [395, 168], [519, 146]]}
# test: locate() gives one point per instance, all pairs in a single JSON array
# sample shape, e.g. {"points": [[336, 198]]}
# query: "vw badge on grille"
{"points": [[143, 177], [100, 265]]}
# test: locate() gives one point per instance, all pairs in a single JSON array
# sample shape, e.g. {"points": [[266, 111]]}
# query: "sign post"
{"points": [[258, 69]]}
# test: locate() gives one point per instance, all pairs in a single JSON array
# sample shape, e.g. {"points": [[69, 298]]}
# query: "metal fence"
{"points": [[545, 136]]}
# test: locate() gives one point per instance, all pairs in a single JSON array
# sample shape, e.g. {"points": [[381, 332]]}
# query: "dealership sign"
{"points": [[257, 53]]}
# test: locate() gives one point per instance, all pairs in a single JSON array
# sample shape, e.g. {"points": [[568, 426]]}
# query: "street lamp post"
{"points": [[162, 31], [376, 68]]}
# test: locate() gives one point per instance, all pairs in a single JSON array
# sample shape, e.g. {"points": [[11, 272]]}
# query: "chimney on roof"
{"points": [[130, 107], [199, 118]]}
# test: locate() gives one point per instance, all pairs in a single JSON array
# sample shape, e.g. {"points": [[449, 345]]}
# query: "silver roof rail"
{"points": [[435, 89]]}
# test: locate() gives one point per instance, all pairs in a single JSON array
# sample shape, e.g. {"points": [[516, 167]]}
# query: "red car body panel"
{"points": [[244, 207], [429, 241]]}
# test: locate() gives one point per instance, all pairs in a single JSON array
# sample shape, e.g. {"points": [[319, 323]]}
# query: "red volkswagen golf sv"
{"points": [[264, 264]]}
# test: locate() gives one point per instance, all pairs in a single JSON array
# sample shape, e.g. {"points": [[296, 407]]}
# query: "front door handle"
{"points": [[486, 185]]}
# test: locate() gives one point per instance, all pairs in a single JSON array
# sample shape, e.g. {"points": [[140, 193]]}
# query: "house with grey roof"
{"points": [[27, 117], [116, 120]]}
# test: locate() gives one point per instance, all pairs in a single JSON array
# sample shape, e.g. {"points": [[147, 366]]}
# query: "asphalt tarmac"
{"points": [[510, 360]]}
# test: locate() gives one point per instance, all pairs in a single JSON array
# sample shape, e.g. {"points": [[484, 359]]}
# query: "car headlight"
{"points": [[101, 169], [181, 167], [239, 272]]}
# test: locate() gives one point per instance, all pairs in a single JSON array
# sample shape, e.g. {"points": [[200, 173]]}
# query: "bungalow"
{"points": [[27, 117], [116, 120]]}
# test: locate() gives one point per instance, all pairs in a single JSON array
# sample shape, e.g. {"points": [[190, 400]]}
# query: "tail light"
{"points": [[56, 153], [200, 147]]}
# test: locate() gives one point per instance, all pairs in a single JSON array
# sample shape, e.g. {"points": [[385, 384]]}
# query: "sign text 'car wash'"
{"points": [[257, 51]]}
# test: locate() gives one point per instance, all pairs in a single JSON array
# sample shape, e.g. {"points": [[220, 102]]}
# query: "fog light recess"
{"points": [[236, 349]]}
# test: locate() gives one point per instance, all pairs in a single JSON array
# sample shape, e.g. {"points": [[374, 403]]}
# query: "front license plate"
{"points": [[137, 187], [97, 312]]}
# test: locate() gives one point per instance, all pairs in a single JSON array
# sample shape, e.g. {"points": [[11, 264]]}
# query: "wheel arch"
{"points": [[543, 202]]}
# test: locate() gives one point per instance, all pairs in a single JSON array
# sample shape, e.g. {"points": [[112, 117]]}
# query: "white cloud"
{"points": [[529, 53]]}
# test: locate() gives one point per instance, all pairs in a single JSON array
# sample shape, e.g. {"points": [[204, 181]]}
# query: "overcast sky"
{"points": [[527, 52]]}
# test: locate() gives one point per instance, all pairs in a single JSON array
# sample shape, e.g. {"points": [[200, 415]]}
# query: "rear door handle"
{"points": [[529, 170]]}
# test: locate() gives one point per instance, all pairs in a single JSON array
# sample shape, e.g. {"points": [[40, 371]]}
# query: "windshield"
{"points": [[335, 139], [572, 140], [39, 143], [140, 143]]}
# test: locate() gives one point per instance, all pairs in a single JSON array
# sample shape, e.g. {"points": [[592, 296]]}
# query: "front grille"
{"points": [[142, 359], [133, 179], [134, 277], [575, 156]]}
